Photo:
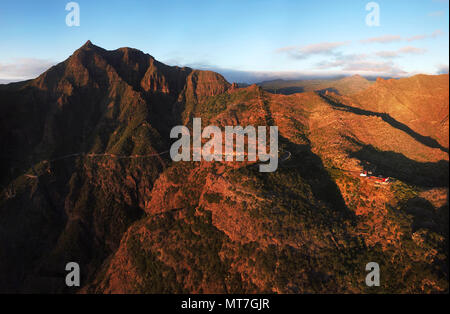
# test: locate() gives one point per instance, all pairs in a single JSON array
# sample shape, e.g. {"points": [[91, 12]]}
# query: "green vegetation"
{"points": [[213, 197], [214, 105], [156, 276], [193, 240]]}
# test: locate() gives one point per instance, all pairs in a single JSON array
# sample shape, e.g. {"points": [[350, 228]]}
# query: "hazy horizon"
{"points": [[292, 40], [254, 77]]}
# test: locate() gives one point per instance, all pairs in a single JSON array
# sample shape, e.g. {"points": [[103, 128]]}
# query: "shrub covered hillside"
{"points": [[86, 177]]}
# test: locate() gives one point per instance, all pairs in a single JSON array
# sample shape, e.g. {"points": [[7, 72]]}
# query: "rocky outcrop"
{"points": [[87, 178]]}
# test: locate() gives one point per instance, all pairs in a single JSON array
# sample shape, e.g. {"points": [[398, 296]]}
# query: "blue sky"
{"points": [[246, 40]]}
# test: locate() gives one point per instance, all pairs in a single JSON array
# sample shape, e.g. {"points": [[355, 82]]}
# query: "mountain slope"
{"points": [[108, 103], [345, 86], [87, 178], [224, 227], [420, 102]]}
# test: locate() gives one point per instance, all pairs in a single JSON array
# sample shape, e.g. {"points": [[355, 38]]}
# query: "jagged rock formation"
{"points": [[138, 222]]}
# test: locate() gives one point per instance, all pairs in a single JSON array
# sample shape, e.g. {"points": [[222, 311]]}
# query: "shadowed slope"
{"points": [[426, 140], [88, 179]]}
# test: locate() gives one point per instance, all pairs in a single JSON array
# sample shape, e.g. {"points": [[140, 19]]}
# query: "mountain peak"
{"points": [[355, 77], [88, 44]]}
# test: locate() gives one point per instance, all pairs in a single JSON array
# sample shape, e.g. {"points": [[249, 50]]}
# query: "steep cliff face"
{"points": [[420, 102], [86, 177], [200, 85], [93, 109], [224, 227]]}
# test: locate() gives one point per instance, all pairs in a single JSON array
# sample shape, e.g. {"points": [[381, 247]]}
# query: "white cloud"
{"points": [[374, 67], [364, 64], [396, 38], [442, 69], [23, 69], [435, 34], [382, 39], [341, 61], [399, 52], [303, 52]]}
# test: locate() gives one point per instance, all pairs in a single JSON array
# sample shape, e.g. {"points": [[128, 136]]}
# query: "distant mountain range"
{"points": [[347, 85], [86, 178]]}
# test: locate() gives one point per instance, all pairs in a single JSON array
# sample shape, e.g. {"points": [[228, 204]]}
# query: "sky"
{"points": [[245, 40]]}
